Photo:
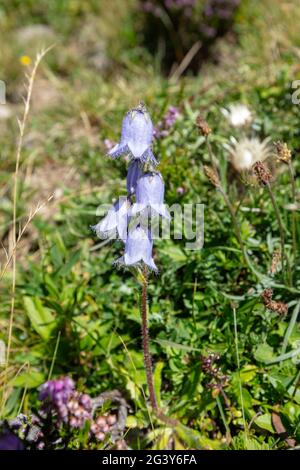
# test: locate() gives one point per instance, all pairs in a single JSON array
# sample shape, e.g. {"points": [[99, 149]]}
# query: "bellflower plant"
{"points": [[146, 186], [138, 249]]}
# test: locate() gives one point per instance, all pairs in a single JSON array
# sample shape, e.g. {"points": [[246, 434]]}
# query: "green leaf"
{"points": [[195, 440], [40, 317], [157, 381], [172, 344], [28, 379], [175, 253], [264, 353], [265, 422], [66, 268]]}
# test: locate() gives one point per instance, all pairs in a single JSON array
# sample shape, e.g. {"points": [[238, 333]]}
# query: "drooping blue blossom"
{"points": [[150, 191], [133, 174], [127, 217], [138, 249], [115, 222], [136, 136]]}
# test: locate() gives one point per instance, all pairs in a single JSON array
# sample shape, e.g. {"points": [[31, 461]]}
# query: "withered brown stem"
{"points": [[145, 336]]}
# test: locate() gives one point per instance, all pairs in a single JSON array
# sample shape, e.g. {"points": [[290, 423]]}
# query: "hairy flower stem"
{"points": [[284, 258], [145, 336], [294, 215]]}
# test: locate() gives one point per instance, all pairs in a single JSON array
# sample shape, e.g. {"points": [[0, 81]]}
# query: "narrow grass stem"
{"points": [[285, 261], [290, 328], [235, 223], [145, 336], [294, 214], [238, 367], [210, 153], [222, 413], [22, 126]]}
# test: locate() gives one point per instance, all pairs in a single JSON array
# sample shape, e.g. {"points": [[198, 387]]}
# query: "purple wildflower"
{"points": [[55, 394], [208, 31], [136, 136], [138, 248], [134, 173], [9, 441], [165, 125], [115, 221], [59, 396], [109, 144], [103, 425], [180, 190], [150, 191], [79, 409]]}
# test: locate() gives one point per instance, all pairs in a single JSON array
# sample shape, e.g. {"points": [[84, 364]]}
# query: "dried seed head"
{"points": [[276, 257], [203, 127], [212, 176], [278, 307], [267, 296], [247, 151], [262, 173], [283, 152]]}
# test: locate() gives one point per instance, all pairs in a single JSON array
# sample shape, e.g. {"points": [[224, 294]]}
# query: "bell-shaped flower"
{"points": [[138, 249], [134, 173], [115, 222], [149, 193], [136, 136]]}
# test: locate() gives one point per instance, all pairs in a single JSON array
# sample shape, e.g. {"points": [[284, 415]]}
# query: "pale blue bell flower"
{"points": [[138, 249], [136, 136], [115, 221], [150, 191]]}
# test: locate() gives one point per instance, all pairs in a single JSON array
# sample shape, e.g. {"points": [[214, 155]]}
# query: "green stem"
{"points": [[285, 260], [290, 328], [228, 434], [259, 276], [238, 367], [211, 155], [294, 223]]}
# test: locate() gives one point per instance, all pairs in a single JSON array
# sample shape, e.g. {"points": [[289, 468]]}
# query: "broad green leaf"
{"points": [[264, 353], [175, 253], [248, 373], [40, 317], [265, 422], [66, 268], [28, 379]]}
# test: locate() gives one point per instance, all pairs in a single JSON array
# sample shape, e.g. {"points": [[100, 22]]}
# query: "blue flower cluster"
{"points": [[128, 219]]}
